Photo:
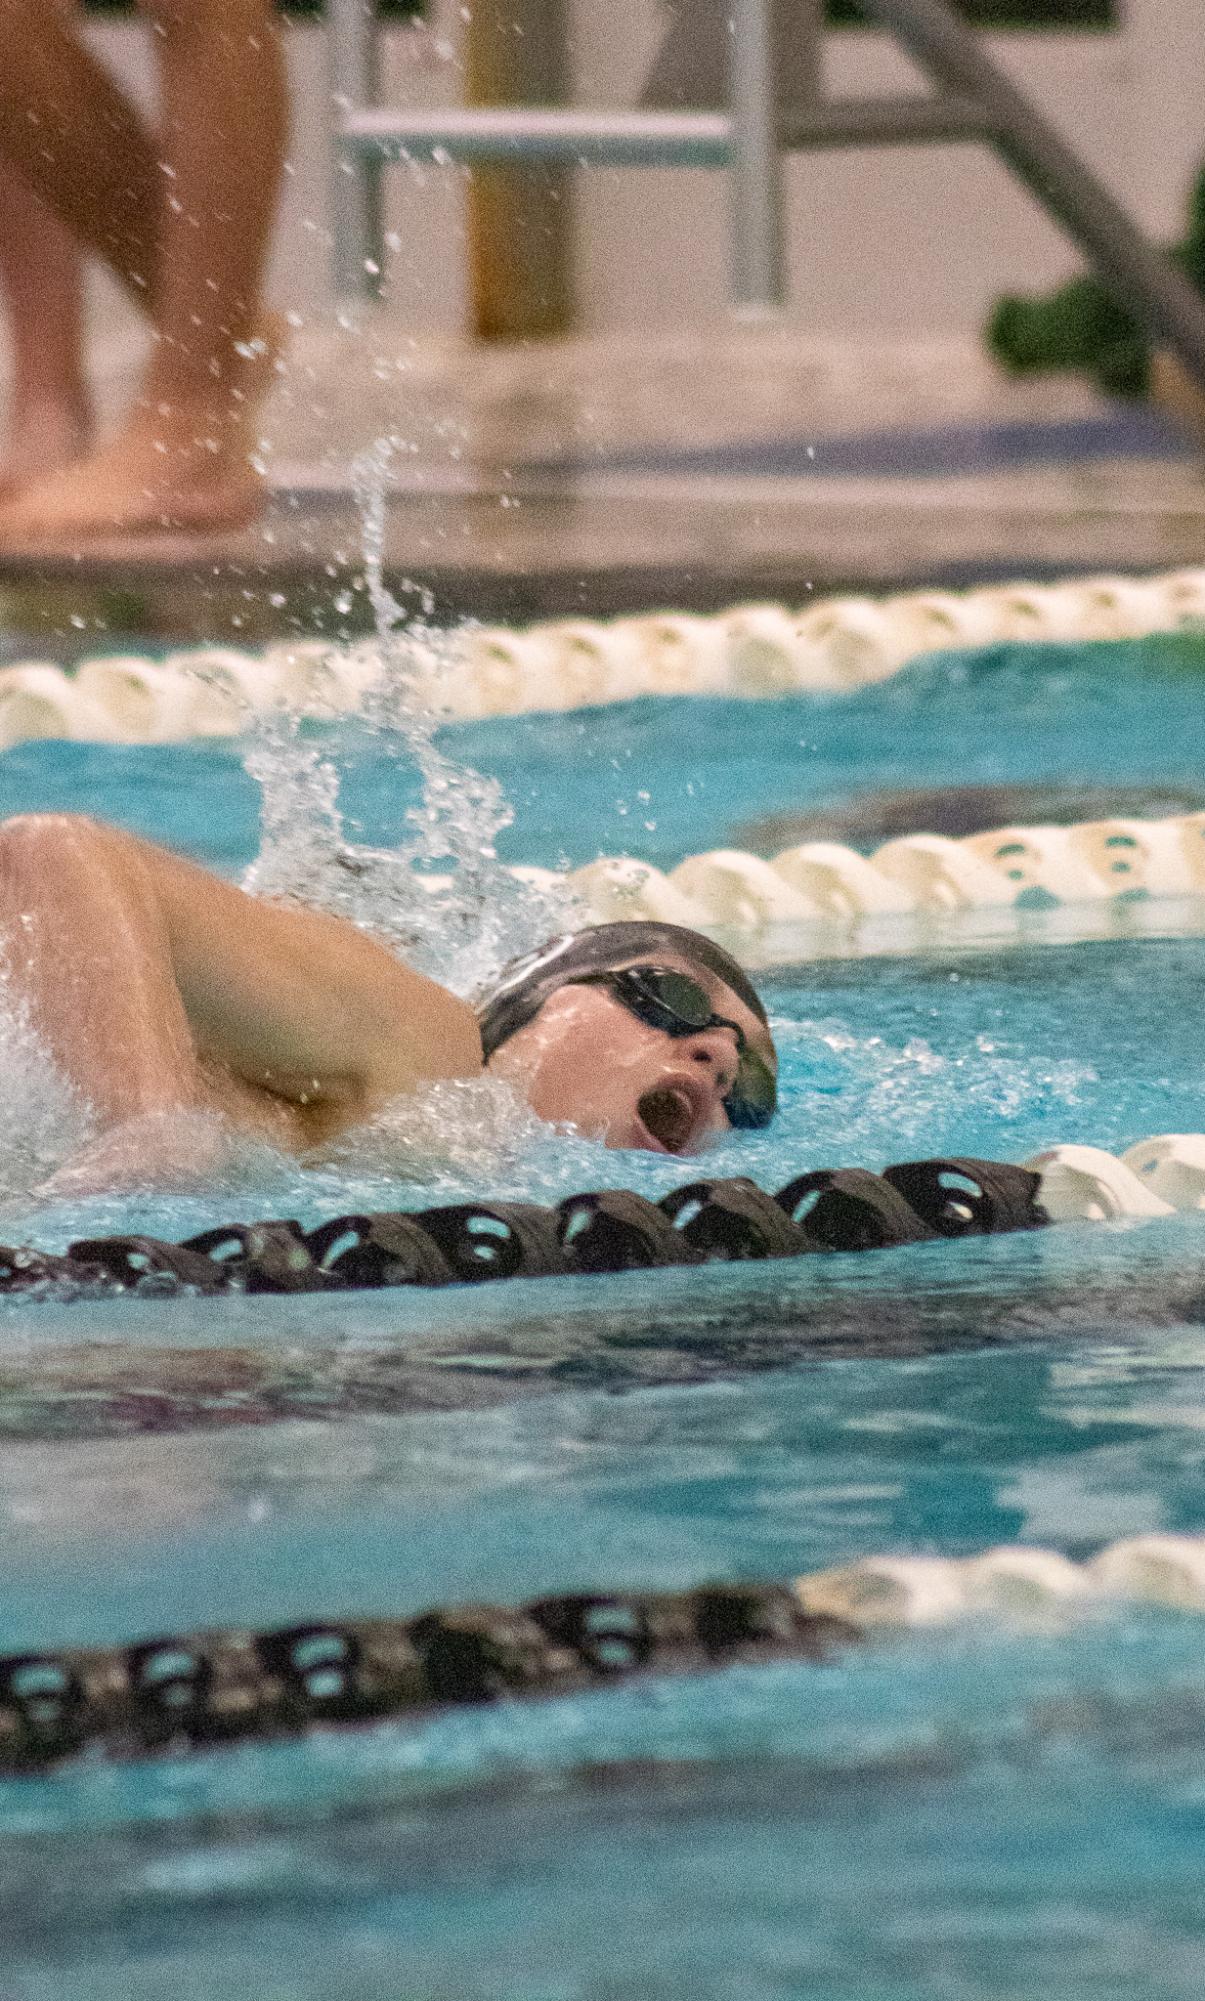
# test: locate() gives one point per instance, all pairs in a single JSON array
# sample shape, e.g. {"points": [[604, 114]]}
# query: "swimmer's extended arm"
{"points": [[302, 1003], [135, 963]]}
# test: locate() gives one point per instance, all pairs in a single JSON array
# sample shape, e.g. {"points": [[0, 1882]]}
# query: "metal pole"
{"points": [[1146, 281], [798, 53], [651, 138], [885, 121], [355, 192], [522, 133], [758, 264], [520, 224]]}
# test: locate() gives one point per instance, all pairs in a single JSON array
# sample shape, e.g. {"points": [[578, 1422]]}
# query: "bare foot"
{"points": [[42, 438], [172, 467], [138, 484]]}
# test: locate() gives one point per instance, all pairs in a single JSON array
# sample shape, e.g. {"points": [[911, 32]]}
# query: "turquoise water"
{"points": [[971, 1815], [1126, 711]]}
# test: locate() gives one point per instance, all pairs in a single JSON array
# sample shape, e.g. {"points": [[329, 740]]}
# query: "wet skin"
{"points": [[588, 1062], [165, 995]]}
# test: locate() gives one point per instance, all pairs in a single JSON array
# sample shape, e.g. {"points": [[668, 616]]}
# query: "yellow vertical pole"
{"points": [[520, 219]]}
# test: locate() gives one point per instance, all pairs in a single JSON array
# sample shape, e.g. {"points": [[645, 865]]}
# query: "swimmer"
{"points": [[161, 991]]}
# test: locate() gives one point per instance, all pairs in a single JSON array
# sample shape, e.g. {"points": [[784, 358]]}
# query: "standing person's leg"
{"points": [[185, 221], [41, 280]]}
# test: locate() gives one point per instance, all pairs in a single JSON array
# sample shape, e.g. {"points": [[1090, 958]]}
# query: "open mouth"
{"points": [[668, 1114]]}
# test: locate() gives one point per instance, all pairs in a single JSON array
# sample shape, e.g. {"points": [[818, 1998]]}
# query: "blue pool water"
{"points": [[663, 779], [970, 1815]]}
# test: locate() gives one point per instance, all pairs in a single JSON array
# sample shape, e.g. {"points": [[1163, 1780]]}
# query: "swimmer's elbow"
{"points": [[449, 1041], [438, 1038]]}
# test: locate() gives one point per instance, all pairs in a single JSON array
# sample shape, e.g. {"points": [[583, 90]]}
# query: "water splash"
{"points": [[865, 1096], [439, 896], [46, 1122]]}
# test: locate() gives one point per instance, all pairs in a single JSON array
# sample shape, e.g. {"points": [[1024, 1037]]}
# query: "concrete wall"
{"points": [[899, 243]]}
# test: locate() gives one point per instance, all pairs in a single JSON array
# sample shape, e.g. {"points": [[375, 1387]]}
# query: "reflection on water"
{"points": [[762, 1475], [988, 1812]]}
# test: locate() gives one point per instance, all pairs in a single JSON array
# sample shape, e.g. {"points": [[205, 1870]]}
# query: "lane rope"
{"points": [[218, 1688], [906, 882], [751, 651], [614, 1229]]}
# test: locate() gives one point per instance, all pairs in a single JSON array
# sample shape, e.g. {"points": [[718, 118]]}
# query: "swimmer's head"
{"points": [[639, 1034]]}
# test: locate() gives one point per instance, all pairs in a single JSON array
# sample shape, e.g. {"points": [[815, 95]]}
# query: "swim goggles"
{"points": [[678, 1005]]}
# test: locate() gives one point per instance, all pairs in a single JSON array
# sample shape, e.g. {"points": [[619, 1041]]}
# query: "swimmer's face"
{"points": [[587, 1061]]}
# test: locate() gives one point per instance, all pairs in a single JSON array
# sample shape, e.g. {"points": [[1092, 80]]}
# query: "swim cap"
{"points": [[528, 982]]}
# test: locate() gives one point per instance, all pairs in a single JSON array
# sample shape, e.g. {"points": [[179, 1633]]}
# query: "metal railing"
{"points": [[365, 135], [973, 101]]}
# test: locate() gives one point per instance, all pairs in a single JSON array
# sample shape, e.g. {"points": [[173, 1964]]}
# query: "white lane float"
{"points": [[1171, 1166], [943, 874], [751, 652], [1086, 1184], [918, 878], [1014, 1584], [39, 701], [842, 884]]}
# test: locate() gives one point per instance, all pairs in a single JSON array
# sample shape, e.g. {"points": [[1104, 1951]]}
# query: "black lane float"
{"points": [[607, 1230], [202, 1690], [197, 1690]]}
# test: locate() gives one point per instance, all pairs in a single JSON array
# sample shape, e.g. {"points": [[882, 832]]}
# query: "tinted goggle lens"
{"points": [[678, 994], [754, 1099], [674, 1002]]}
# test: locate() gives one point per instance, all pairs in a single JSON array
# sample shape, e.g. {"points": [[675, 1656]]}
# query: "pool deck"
{"points": [[593, 477]]}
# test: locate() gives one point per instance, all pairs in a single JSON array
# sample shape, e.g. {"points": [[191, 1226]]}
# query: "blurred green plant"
{"points": [[1082, 328]]}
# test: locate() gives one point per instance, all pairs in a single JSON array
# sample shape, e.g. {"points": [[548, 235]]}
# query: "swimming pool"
{"points": [[972, 1812]]}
